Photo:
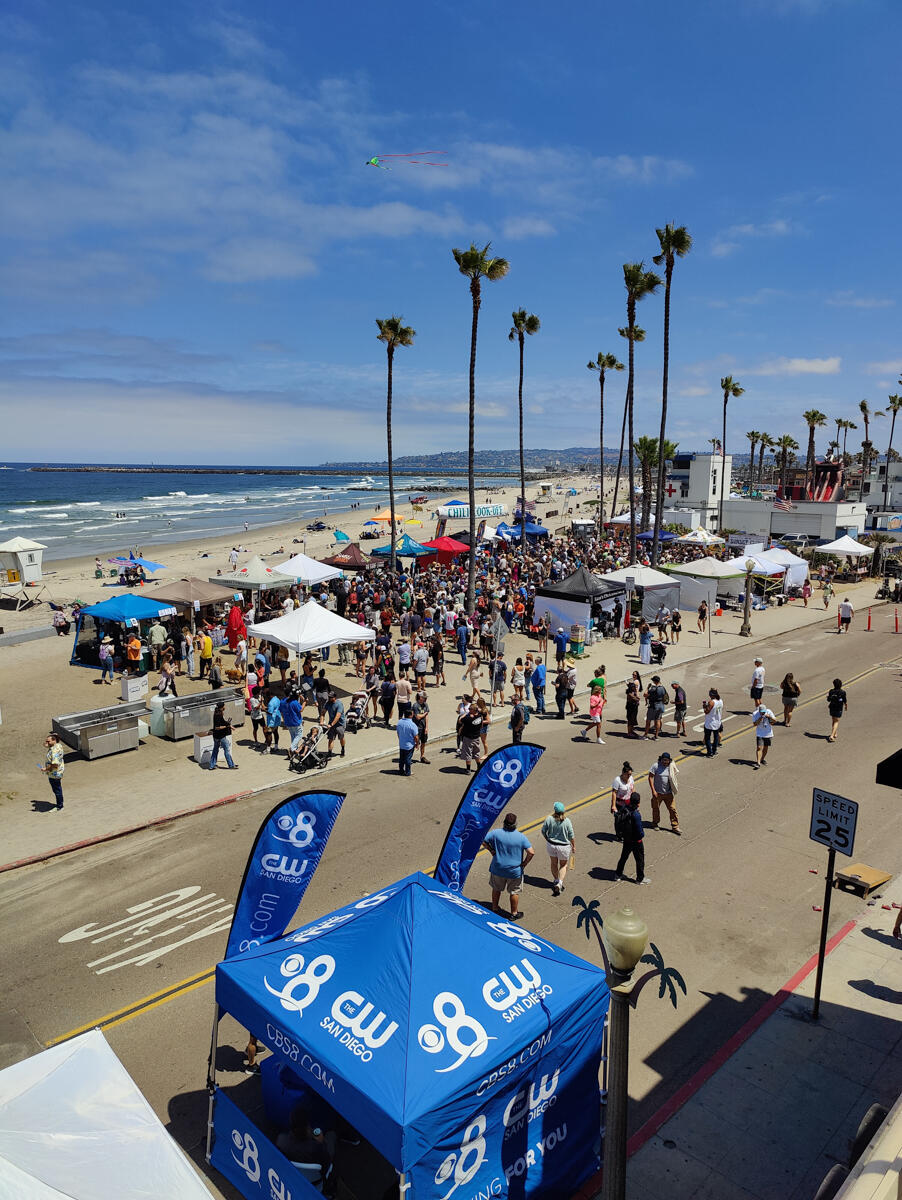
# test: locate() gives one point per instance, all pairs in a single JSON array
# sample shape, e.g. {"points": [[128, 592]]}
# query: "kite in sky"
{"points": [[414, 159]]}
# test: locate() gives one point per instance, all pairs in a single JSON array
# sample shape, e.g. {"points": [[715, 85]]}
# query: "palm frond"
{"points": [[393, 333], [638, 335]]}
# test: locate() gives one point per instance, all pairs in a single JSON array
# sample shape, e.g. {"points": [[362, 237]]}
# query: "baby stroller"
{"points": [[658, 652], [308, 754], [357, 717]]}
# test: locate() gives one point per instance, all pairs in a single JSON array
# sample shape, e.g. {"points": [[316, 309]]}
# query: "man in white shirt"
{"points": [[233, 558], [756, 690], [846, 613], [764, 734]]}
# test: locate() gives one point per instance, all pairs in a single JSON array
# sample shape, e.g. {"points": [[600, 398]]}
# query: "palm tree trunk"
{"points": [[784, 459], [889, 451], [600, 452], [620, 455], [471, 449], [761, 467], [659, 494], [809, 465], [646, 493], [723, 460], [390, 350], [522, 467], [629, 408], [845, 434]]}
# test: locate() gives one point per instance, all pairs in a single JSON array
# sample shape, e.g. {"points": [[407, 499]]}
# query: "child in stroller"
{"points": [[307, 754], [356, 717], [658, 652]]}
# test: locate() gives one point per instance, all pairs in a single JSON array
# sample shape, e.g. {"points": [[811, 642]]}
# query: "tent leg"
{"points": [[404, 1184], [211, 1077], [209, 1150]]}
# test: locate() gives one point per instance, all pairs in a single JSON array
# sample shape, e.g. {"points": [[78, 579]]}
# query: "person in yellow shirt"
{"points": [[206, 653]]}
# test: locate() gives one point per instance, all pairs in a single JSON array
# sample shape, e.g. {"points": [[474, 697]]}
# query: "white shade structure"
{"points": [[307, 570], [796, 568], [73, 1123], [763, 566], [700, 537], [253, 575], [311, 627], [706, 568], [846, 547], [641, 576]]}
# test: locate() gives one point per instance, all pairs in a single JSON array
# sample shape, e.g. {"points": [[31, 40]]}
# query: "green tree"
{"points": [[637, 335], [787, 445], [477, 265], [895, 403], [393, 334], [754, 438], [867, 446], [675, 242], [639, 283], [847, 427], [523, 323], [602, 364], [730, 388], [647, 451], [814, 419]]}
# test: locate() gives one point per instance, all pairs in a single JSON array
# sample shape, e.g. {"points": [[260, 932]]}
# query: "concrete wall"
{"points": [[816, 520]]}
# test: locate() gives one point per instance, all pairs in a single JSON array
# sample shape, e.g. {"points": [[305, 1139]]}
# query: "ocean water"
{"points": [[75, 512]]}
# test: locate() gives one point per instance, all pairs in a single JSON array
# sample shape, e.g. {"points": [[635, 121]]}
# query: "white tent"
{"points": [[796, 568], [700, 537], [763, 566], [845, 546], [706, 568], [307, 570], [657, 587], [253, 575], [73, 1123], [311, 627]]}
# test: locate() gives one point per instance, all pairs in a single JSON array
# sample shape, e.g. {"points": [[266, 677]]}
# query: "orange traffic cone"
{"points": [[869, 621]]}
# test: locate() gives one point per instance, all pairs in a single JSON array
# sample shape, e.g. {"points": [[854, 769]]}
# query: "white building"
{"points": [[694, 483], [816, 518]]}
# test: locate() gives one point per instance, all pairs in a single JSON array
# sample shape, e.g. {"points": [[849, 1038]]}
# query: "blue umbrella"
{"points": [[340, 537], [146, 563], [365, 523]]}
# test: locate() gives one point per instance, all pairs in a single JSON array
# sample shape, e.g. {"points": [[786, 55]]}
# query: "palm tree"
{"points": [[847, 426], [754, 438], [675, 242], [647, 450], [786, 445], [393, 334], [476, 265], [867, 445], [730, 387], [895, 403], [879, 542], [767, 443], [814, 419], [602, 364], [838, 422], [523, 324], [638, 335], [639, 283]]}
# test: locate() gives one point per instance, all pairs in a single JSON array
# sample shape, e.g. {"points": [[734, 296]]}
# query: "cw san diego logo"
{"points": [[455, 1023], [513, 991]]}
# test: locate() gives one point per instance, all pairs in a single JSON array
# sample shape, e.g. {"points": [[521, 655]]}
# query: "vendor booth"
{"points": [[795, 568], [446, 549], [702, 580], [114, 617], [405, 547], [573, 600], [192, 596], [512, 533], [767, 573], [311, 627], [463, 1049], [74, 1123], [653, 587], [351, 558], [304, 569], [254, 575]]}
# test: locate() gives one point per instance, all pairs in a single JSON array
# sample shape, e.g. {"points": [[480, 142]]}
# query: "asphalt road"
{"points": [[125, 934]]}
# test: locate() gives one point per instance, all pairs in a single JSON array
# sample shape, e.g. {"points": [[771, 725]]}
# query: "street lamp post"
{"points": [[625, 936], [746, 628]]}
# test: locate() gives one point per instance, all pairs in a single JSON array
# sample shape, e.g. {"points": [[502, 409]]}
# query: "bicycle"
{"points": [[629, 636]]}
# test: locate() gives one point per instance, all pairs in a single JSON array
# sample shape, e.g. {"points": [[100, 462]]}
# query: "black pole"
{"points": [[613, 1180], [825, 920]]}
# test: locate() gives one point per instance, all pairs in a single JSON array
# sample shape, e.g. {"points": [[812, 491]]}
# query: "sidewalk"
{"points": [[778, 1112], [160, 779]]}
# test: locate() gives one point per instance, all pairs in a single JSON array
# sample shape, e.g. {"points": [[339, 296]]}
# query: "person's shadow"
{"points": [[880, 935], [43, 806], [877, 990]]}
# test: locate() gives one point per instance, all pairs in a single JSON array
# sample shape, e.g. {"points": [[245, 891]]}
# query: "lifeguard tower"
{"points": [[21, 571]]}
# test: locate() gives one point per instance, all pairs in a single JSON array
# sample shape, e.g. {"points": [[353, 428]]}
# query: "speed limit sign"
{"points": [[833, 821]]}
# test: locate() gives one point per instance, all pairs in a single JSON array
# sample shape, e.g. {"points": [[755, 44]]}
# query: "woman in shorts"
{"points": [[557, 831], [596, 704], [837, 703], [420, 713], [702, 616], [676, 625], [791, 692]]}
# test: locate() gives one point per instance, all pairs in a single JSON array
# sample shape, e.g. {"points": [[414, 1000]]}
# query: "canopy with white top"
{"points": [[253, 575], [657, 588], [796, 568], [700, 537], [311, 627], [846, 547], [307, 570]]}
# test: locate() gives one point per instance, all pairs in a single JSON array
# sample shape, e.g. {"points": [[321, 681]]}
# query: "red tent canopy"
{"points": [[447, 545]]}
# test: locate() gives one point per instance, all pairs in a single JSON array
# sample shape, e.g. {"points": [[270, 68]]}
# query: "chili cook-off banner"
{"points": [[488, 794], [286, 852]]}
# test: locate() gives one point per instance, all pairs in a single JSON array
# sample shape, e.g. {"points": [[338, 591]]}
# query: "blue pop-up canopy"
{"points": [[512, 532], [419, 1015], [405, 547], [128, 607]]}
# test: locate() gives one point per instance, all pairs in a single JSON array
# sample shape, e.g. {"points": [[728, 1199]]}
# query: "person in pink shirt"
{"points": [[596, 704]]}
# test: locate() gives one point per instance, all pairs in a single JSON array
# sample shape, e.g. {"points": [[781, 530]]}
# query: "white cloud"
{"points": [[797, 366], [691, 391], [850, 299], [249, 260], [732, 238], [892, 366], [515, 228]]}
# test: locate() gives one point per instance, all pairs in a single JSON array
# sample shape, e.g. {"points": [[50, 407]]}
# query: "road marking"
{"points": [[203, 977]]}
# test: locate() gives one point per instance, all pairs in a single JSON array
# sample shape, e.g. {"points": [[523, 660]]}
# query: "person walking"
{"points": [[538, 686], [557, 830], [335, 727], [408, 740], [764, 733], [499, 678], [511, 851], [222, 738], [387, 690], [471, 723], [571, 688], [437, 653], [54, 766], [518, 722], [662, 780], [528, 670], [679, 709], [518, 681], [662, 620], [273, 720], [629, 824], [560, 692], [166, 682], [621, 790], [837, 704], [292, 718], [420, 714], [806, 592], [404, 696], [676, 626], [633, 696], [656, 698], [713, 710], [561, 642], [828, 593], [462, 635], [596, 704], [790, 692], [473, 673], [756, 687], [846, 613], [702, 621]]}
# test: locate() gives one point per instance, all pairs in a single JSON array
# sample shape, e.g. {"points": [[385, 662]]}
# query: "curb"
{"points": [[86, 843]]}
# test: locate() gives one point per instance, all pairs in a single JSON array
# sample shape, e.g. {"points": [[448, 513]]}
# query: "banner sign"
{"points": [[250, 1161], [286, 852], [461, 511], [489, 791]]}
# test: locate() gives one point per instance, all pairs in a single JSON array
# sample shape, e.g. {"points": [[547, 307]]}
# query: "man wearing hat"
{"points": [[662, 781], [557, 831], [510, 851], [561, 642]]}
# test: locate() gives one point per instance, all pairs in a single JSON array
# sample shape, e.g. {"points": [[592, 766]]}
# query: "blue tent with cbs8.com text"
{"points": [[463, 1047]]}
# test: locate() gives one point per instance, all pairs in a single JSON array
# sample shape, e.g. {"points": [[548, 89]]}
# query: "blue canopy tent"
{"points": [[405, 547], [512, 532], [664, 536], [432, 1025], [133, 561], [127, 609]]}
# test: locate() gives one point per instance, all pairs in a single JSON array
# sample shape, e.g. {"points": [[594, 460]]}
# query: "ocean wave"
{"points": [[87, 503]]}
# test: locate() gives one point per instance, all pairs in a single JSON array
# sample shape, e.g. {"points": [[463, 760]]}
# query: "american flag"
{"points": [[783, 505]]}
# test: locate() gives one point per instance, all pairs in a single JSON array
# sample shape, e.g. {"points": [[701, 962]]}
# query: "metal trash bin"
{"points": [[101, 731], [184, 716]]}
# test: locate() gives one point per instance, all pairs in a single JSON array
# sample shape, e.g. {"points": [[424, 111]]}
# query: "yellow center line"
{"points": [[184, 986]]}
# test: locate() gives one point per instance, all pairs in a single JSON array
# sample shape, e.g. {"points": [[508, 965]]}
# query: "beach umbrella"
{"points": [[340, 537], [365, 523], [146, 563]]}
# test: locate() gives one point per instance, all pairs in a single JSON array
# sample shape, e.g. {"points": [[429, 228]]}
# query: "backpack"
{"points": [[623, 823]]}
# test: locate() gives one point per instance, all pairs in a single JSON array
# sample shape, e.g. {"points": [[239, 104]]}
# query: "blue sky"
{"points": [[194, 254]]}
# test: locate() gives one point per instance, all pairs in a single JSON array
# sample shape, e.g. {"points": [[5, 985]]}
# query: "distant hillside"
{"points": [[572, 458]]}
